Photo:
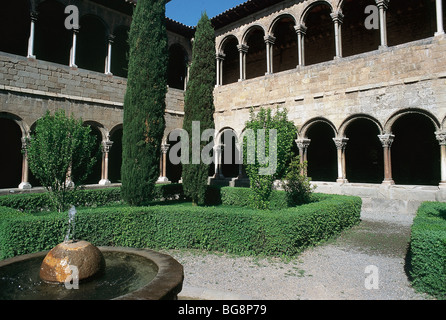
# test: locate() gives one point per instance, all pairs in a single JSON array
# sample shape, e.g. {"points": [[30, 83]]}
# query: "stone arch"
{"points": [[101, 135], [285, 49], [304, 129], [392, 119], [280, 17], [354, 117], [230, 153], [319, 39], [221, 46], [249, 29], [254, 39]]}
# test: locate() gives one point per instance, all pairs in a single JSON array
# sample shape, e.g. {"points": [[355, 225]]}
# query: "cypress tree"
{"points": [[144, 102], [199, 106]]}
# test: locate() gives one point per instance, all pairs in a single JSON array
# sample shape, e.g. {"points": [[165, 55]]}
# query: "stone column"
{"points": [[269, 42], [303, 145], [441, 137], [73, 50], [218, 152], [301, 32], [25, 185], [383, 5], [387, 140], [341, 144], [338, 18], [439, 9], [108, 59], [106, 145], [32, 36], [220, 60], [163, 164], [243, 50]]}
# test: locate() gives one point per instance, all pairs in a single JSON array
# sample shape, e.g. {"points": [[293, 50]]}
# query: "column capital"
{"points": [[34, 15], [382, 4], [303, 143], [220, 56], [337, 17], [111, 38], [106, 145], [269, 39], [243, 48], [341, 143], [301, 29], [441, 137], [386, 140], [165, 148]]}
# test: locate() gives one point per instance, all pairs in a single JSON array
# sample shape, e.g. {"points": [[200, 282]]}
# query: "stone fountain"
{"points": [[79, 270]]}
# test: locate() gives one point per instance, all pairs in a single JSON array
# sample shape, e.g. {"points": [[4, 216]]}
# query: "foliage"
{"points": [[60, 152], [199, 106], [241, 231], [144, 102], [266, 154], [297, 184], [428, 249]]}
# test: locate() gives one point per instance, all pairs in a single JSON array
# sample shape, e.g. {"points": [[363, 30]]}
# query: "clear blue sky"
{"points": [[189, 12]]}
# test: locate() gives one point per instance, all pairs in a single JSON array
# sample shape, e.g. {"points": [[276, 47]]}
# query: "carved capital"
{"points": [[242, 48], [303, 143], [441, 137], [270, 39], [337, 17], [165, 148], [386, 140], [382, 4], [106, 145], [220, 56], [301, 29], [341, 143]]}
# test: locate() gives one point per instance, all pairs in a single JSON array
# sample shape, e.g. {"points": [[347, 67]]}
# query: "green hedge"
{"points": [[428, 249], [36, 202], [223, 228]]}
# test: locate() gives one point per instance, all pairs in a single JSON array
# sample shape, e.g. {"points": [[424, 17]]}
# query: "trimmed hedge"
{"points": [[428, 249], [223, 228]]}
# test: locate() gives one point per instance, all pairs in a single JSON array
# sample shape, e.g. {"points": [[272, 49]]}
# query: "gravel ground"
{"points": [[335, 270]]}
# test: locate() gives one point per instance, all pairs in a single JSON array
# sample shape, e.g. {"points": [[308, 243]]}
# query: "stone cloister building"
{"points": [[363, 80]]}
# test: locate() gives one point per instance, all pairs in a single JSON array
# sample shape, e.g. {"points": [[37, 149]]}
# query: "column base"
{"points": [[25, 186], [163, 180], [104, 182], [388, 183], [341, 181], [439, 34], [442, 184], [32, 58]]}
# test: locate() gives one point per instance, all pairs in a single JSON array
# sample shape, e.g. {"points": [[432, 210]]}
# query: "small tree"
{"points": [[61, 155], [144, 102], [297, 184], [199, 106], [258, 157]]}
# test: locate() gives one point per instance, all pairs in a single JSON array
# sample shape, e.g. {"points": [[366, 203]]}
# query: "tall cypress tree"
{"points": [[144, 103], [199, 106]]}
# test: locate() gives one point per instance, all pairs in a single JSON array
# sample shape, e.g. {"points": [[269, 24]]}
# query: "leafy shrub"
{"points": [[428, 249], [242, 231], [297, 184]]}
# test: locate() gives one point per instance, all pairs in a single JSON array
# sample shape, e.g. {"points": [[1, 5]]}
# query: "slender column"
{"points": [[73, 50], [441, 137], [387, 140], [341, 144], [243, 50], [383, 5], [303, 145], [106, 145], [439, 9], [338, 18], [301, 32], [163, 164], [108, 59], [24, 185], [220, 61], [186, 80], [32, 36], [269, 41], [218, 152]]}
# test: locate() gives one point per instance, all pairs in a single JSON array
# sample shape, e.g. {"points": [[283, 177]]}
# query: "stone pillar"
{"points": [[32, 36], [439, 9], [220, 61], [341, 144], [106, 145], [25, 185], [301, 32], [218, 152], [441, 137], [269, 42], [243, 50], [163, 164], [303, 145], [383, 5], [338, 18], [73, 50], [387, 140], [108, 59]]}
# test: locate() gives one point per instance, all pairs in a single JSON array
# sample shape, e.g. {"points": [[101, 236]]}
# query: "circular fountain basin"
{"points": [[130, 274]]}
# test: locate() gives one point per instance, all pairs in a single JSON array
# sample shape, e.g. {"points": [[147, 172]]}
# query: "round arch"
{"points": [[304, 129], [391, 121], [280, 17], [310, 6], [251, 29], [230, 37], [354, 117]]}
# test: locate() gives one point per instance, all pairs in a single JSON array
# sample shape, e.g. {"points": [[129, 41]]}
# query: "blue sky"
{"points": [[189, 12]]}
